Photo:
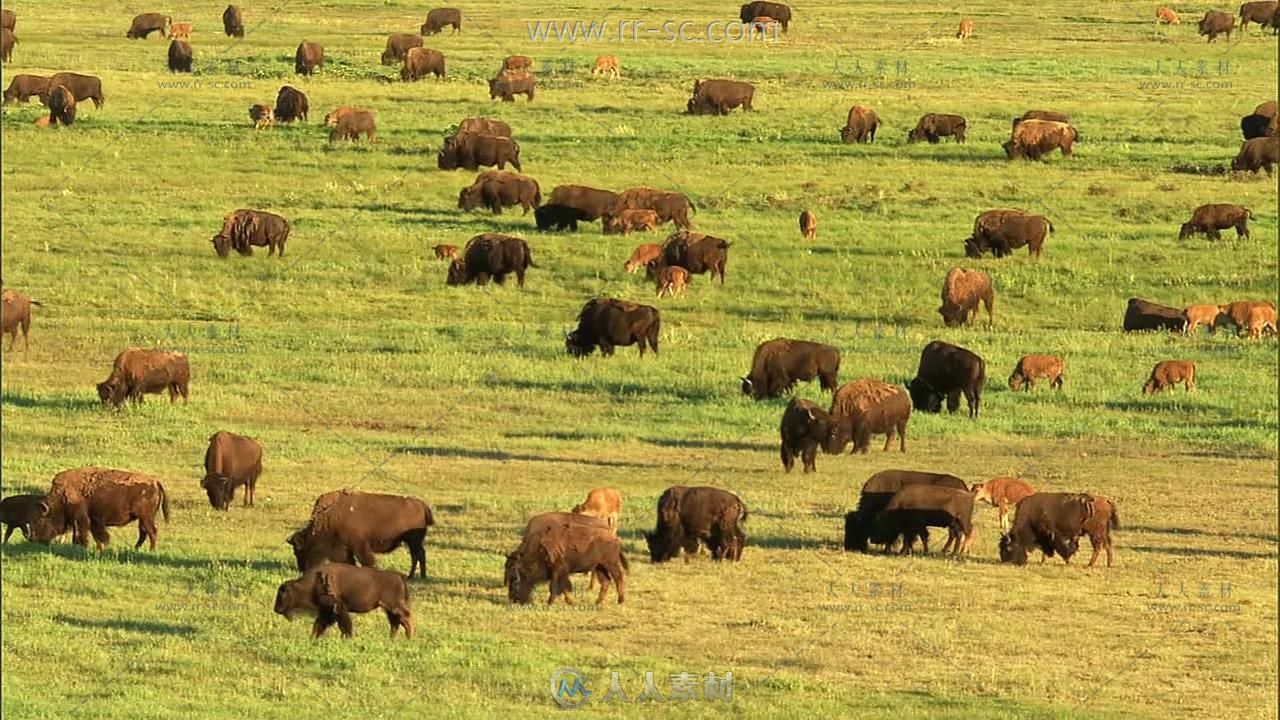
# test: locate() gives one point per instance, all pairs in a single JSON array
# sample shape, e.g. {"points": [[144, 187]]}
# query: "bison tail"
{"points": [[742, 513], [625, 565], [164, 502], [1114, 523], [37, 303], [1050, 224]]}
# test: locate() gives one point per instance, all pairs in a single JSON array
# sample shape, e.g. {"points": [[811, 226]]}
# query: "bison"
{"points": [[1030, 367], [483, 126], [332, 592], [1260, 12], [877, 491], [8, 19], [919, 506], [15, 315], [349, 526], [1166, 16], [696, 253], [137, 372], [557, 545], [1008, 233], [1257, 154], [948, 370], [643, 256], [1141, 315], [440, 18], [777, 11], [1257, 126], [1237, 313], [291, 104], [1034, 139], [23, 87], [88, 500], [604, 503], [83, 87], [670, 280], [233, 22], [1197, 315], [7, 41], [933, 126], [242, 229], [1168, 373], [720, 96], [179, 56], [1052, 115], [1209, 219], [606, 65], [1215, 23], [507, 85], [261, 116], [808, 225], [628, 221], [608, 323], [1261, 319], [180, 30], [491, 255], [591, 202], [471, 151], [1053, 521], [689, 515], [62, 106], [352, 124], [671, 206], [780, 363], [557, 217], [962, 290], [147, 23], [495, 189], [308, 58], [446, 252], [398, 46], [966, 29], [860, 127], [419, 62], [1003, 493], [231, 461], [871, 407], [806, 427], [18, 512]]}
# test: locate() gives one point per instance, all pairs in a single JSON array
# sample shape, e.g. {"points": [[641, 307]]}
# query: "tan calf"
{"points": [[1102, 519], [180, 31], [1166, 16], [808, 225], [517, 63], [1031, 367], [642, 256], [1261, 318], [966, 29], [446, 252], [1003, 493], [606, 65], [604, 503], [671, 280], [1197, 315], [261, 116], [1168, 373], [338, 113]]}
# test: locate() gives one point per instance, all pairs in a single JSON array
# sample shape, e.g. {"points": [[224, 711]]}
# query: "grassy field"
{"points": [[356, 366]]}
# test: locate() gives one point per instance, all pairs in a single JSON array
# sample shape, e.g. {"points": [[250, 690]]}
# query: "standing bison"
{"points": [[1052, 522], [917, 507], [291, 104], [231, 461], [440, 18], [88, 500], [137, 372], [871, 407], [332, 592], [147, 23], [671, 206], [1257, 154], [1215, 23], [507, 85], [398, 46], [62, 105], [491, 255], [470, 151], [877, 492], [689, 515], [233, 22], [946, 371], [1031, 367], [308, 58], [23, 87], [1033, 139], [860, 127], [696, 253], [775, 10], [349, 526], [420, 62], [591, 202], [243, 229], [962, 290], [934, 126], [1209, 219], [1262, 12], [350, 124], [718, 97], [82, 87], [608, 323], [778, 364], [557, 545], [15, 315], [495, 189], [1004, 234], [805, 428], [179, 56]]}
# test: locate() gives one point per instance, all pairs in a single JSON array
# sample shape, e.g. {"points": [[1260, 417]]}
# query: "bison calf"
{"points": [[335, 590], [604, 503], [15, 315], [1002, 493], [1168, 373], [446, 252], [808, 225], [17, 512], [805, 428], [1031, 367], [670, 280]]}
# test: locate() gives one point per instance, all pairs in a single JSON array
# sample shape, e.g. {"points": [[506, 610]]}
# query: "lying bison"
{"points": [[495, 189], [934, 126], [860, 127], [483, 126], [1051, 115], [470, 151], [877, 491], [231, 461], [557, 545], [806, 427], [243, 229], [696, 253], [779, 364], [491, 255], [1142, 315], [689, 515], [332, 592], [948, 370], [349, 526], [870, 407], [89, 500], [608, 323], [137, 372], [1209, 219]]}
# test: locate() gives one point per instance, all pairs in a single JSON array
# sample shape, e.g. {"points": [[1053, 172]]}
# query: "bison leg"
{"points": [[100, 536], [324, 620], [520, 273], [888, 439], [902, 435], [810, 455], [972, 398], [788, 461], [953, 401], [619, 581], [366, 557], [599, 573], [147, 530], [417, 553], [344, 621], [9, 531]]}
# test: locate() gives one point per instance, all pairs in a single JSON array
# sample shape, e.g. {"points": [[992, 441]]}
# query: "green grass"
{"points": [[357, 367]]}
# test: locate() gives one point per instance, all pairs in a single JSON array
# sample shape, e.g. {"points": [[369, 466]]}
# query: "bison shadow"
{"points": [[121, 551], [59, 402], [562, 435], [620, 391], [137, 626], [779, 542], [711, 444], [1195, 552], [1196, 531], [504, 456]]}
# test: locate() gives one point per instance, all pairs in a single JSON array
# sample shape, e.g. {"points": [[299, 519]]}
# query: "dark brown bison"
{"points": [[495, 189], [179, 56], [147, 23], [777, 11], [696, 253], [557, 545], [1257, 126], [469, 151], [440, 18], [1215, 23], [233, 22], [860, 127], [419, 62], [557, 217], [608, 323], [1052, 522], [877, 491], [1259, 12], [15, 315], [491, 255], [350, 526], [780, 363], [62, 106], [870, 407], [7, 41], [398, 46], [1209, 219], [805, 428], [231, 461], [508, 85], [137, 372], [353, 124], [243, 229], [933, 126], [18, 512], [1031, 367], [89, 500], [590, 202], [1034, 139], [988, 222], [919, 506], [261, 116], [1011, 233], [483, 126], [332, 592], [962, 290], [671, 206], [308, 58], [291, 104], [23, 87], [948, 370], [1142, 315], [1168, 373], [1051, 115], [718, 97], [689, 515], [83, 87], [1257, 154]]}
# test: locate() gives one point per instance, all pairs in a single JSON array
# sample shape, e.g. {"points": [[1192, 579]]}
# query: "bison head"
{"points": [[748, 387], [291, 597], [664, 546], [848, 135], [311, 549], [1186, 231], [1239, 164], [951, 315], [973, 247], [221, 245], [47, 526], [916, 135], [1149, 387], [577, 345], [497, 88], [519, 585], [1010, 150], [221, 490], [468, 197], [855, 535], [457, 273], [1012, 551], [111, 392], [1016, 381], [447, 159], [924, 397]]}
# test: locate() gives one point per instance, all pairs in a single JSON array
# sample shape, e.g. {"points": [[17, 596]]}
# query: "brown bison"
{"points": [[62, 106], [23, 87], [1011, 233], [557, 545], [349, 526], [308, 58], [1051, 115], [483, 126], [557, 217], [352, 124], [933, 126], [628, 221], [1034, 139], [947, 371], [332, 592], [1168, 373], [1259, 12], [1215, 23], [233, 22], [1197, 315], [1261, 319], [671, 206], [871, 407], [806, 427], [517, 63], [470, 151], [89, 500], [604, 503], [419, 62], [1257, 154], [261, 116], [775, 10], [243, 229], [718, 97], [592, 203], [508, 85], [670, 280], [1143, 315], [398, 46], [1209, 219], [860, 127], [988, 222], [1165, 16], [966, 29], [1257, 126], [1267, 109], [82, 87], [608, 323], [18, 512], [1031, 367], [606, 65], [689, 515], [1003, 493], [440, 18], [15, 315], [491, 255], [919, 506], [961, 292], [446, 252], [808, 225], [696, 253], [495, 189], [642, 256], [780, 363], [8, 19], [1237, 313], [877, 492], [179, 56], [1052, 522], [147, 23], [231, 461], [137, 372], [180, 31], [291, 104], [7, 41]]}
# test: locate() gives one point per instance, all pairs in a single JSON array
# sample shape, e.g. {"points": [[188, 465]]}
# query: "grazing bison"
{"points": [[7, 41], [491, 255], [779, 364], [1052, 115], [986, 228], [777, 11], [860, 127], [1011, 233], [1031, 367], [23, 87], [871, 407], [1209, 219], [628, 221], [179, 56], [180, 31], [966, 29], [1142, 315], [137, 372], [592, 203], [18, 512], [470, 151], [877, 491], [696, 253], [332, 592], [233, 22], [962, 290], [1197, 315], [352, 124], [606, 65], [604, 503], [670, 206], [806, 427], [15, 315], [1257, 154], [1261, 319], [919, 506], [1053, 521], [243, 229], [440, 18], [147, 23], [83, 87], [609, 323], [1259, 12], [642, 256], [308, 57], [398, 46], [720, 96], [349, 526], [1237, 313], [1257, 126], [483, 126], [808, 225], [446, 252], [1165, 16], [495, 189], [62, 106], [1168, 373], [947, 371], [933, 126], [508, 85], [557, 545], [88, 500], [1215, 23], [670, 280], [687, 515], [1002, 493], [231, 461], [291, 104], [419, 62], [1034, 139], [261, 116], [557, 217]]}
